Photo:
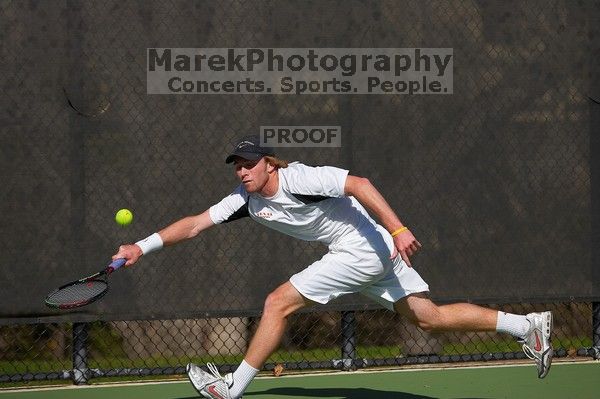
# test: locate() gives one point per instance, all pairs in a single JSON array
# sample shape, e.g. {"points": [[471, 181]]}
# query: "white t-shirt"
{"points": [[309, 204]]}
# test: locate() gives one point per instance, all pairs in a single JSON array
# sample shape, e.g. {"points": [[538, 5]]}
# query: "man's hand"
{"points": [[131, 252], [407, 245], [362, 189]]}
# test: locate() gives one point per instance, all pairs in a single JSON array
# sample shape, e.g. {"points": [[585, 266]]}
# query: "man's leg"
{"points": [[281, 303], [454, 317], [534, 330]]}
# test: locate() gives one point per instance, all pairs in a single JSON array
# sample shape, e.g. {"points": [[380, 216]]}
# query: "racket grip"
{"points": [[117, 263]]}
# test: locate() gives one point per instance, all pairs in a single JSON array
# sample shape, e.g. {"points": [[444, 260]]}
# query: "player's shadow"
{"points": [[346, 393]]}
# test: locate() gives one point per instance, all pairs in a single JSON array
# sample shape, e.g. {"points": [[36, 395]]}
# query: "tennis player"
{"points": [[327, 204]]}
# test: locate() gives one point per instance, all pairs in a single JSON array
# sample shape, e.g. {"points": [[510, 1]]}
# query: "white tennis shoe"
{"points": [[537, 343], [210, 385]]}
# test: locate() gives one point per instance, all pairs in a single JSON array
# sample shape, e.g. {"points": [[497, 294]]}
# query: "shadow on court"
{"points": [[345, 393]]}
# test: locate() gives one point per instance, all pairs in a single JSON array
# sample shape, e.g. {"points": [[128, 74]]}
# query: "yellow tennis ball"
{"points": [[124, 217]]}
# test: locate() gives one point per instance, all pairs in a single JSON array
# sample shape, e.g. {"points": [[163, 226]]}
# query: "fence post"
{"points": [[348, 340], [596, 330], [595, 188], [80, 366], [77, 188], [594, 135]]}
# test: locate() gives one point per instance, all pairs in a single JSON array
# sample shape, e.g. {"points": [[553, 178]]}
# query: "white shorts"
{"points": [[362, 266]]}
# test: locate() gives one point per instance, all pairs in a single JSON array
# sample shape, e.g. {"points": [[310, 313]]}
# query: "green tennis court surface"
{"points": [[567, 380]]}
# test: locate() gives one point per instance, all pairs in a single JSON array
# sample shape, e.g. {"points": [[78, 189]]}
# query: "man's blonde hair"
{"points": [[276, 162]]}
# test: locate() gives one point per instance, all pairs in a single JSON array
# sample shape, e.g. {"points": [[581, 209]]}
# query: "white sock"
{"points": [[513, 324], [242, 377]]}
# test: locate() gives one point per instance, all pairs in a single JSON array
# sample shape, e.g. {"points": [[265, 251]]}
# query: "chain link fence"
{"points": [[498, 181], [344, 340]]}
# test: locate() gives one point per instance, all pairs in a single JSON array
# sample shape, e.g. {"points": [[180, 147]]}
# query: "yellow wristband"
{"points": [[400, 230]]}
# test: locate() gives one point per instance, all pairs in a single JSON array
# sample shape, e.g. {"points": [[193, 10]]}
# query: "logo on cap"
{"points": [[244, 144]]}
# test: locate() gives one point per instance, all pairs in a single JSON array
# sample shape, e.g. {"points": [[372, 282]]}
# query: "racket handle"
{"points": [[117, 263]]}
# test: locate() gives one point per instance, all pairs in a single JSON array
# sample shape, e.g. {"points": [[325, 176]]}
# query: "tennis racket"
{"points": [[84, 291]]}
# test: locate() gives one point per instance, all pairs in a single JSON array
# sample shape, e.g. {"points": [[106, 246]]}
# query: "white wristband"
{"points": [[150, 244]]}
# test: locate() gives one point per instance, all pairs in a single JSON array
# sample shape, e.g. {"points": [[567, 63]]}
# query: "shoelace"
{"points": [[214, 371], [528, 352]]}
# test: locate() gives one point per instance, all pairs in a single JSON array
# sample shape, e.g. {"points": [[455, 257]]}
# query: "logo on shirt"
{"points": [[264, 214]]}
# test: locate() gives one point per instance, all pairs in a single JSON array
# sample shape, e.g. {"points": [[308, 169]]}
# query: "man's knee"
{"points": [[422, 312], [273, 303], [429, 324], [284, 301]]}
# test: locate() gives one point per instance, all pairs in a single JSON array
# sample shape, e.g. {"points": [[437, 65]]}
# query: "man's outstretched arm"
{"points": [[181, 230], [362, 189]]}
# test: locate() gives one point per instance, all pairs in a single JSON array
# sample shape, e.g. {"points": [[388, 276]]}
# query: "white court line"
{"points": [[121, 384]]}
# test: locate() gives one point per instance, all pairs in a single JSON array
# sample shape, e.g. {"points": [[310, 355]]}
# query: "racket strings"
{"points": [[78, 293]]}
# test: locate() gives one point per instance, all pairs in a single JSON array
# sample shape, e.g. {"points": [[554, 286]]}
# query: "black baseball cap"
{"points": [[249, 147]]}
